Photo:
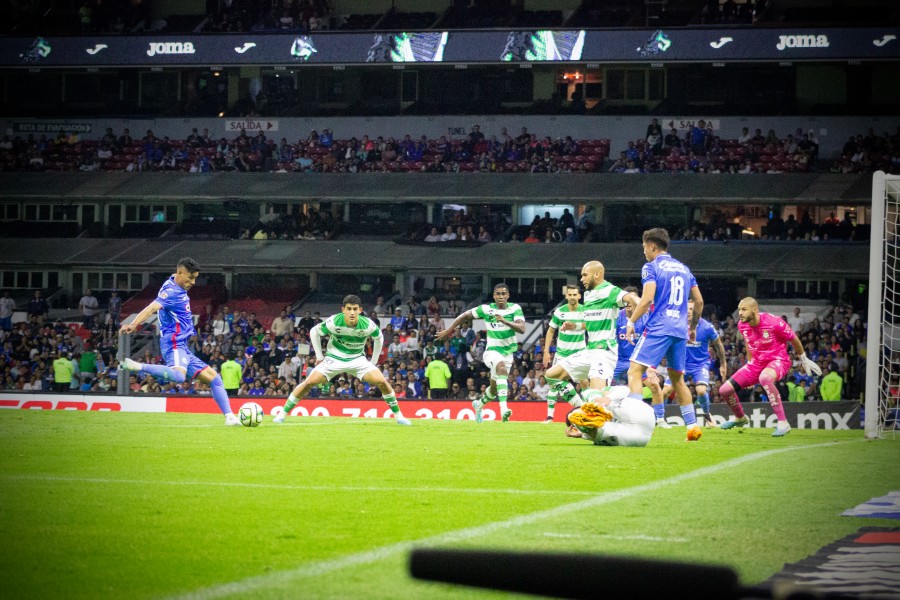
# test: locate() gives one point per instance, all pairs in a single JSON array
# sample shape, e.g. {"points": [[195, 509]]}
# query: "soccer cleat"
{"points": [[477, 406], [661, 423], [781, 431], [506, 415], [734, 422], [131, 365], [403, 421], [279, 418], [231, 420], [694, 433], [548, 420]]}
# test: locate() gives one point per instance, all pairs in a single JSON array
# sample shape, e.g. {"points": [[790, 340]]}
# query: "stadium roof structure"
{"points": [[459, 188], [803, 260]]}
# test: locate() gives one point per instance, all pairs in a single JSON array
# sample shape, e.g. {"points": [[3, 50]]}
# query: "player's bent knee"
{"points": [[767, 376]]}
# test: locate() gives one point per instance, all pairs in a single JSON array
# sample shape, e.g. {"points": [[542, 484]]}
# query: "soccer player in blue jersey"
{"points": [[623, 363], [697, 361], [626, 346], [176, 326], [667, 286]]}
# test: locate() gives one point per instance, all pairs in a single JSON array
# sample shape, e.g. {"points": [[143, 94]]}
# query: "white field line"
{"points": [[219, 426], [324, 567], [603, 536], [290, 487]]}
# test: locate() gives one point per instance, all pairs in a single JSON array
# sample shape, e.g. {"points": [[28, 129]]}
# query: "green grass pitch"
{"points": [[128, 505]]}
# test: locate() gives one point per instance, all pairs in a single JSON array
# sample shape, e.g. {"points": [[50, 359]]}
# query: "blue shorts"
{"points": [[621, 372], [699, 375], [650, 350], [176, 355]]}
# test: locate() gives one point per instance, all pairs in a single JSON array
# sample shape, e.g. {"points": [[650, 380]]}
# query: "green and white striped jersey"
{"points": [[500, 338], [601, 309], [346, 343], [568, 342]]}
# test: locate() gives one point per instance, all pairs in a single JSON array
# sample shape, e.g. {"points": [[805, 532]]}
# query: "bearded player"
{"points": [[767, 363]]}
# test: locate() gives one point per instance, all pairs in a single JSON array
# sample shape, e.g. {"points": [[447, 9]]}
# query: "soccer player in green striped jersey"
{"points": [[568, 321], [348, 333], [596, 363], [502, 320]]}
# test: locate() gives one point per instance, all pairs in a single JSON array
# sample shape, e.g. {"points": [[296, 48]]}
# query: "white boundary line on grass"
{"points": [[323, 567], [601, 536], [275, 486]]}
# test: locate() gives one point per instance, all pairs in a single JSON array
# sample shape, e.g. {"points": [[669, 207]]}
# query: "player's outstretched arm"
{"points": [[642, 306], [446, 333], [377, 344], [632, 300], [518, 325], [548, 339], [719, 349], [315, 340], [149, 310], [697, 297], [808, 364]]}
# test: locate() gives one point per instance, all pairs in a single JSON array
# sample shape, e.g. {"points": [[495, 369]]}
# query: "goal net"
{"points": [[882, 403]]}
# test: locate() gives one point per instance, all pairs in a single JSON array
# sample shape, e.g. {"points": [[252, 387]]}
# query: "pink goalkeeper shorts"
{"points": [[748, 375]]}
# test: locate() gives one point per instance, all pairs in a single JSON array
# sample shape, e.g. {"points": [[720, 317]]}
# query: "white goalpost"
{"points": [[883, 343]]}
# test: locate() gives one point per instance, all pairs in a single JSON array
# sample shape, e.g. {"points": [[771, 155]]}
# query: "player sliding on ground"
{"points": [[767, 363], [176, 327], [610, 417], [348, 332], [503, 321]]}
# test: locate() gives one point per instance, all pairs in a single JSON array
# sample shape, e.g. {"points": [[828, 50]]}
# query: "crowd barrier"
{"points": [[801, 415]]}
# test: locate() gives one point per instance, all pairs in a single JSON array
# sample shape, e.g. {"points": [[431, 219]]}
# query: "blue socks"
{"points": [[703, 399], [659, 410], [688, 414], [219, 394], [164, 373]]}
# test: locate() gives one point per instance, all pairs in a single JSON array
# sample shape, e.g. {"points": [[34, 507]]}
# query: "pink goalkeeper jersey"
{"points": [[767, 341]]}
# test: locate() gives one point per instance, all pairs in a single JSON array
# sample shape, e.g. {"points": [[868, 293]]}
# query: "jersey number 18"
{"points": [[676, 291]]}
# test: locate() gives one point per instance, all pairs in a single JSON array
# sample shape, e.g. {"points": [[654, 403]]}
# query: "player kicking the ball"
{"points": [[176, 327], [610, 417], [348, 332], [767, 363]]}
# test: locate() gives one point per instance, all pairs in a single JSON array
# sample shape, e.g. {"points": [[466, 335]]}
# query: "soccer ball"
{"points": [[250, 414]]}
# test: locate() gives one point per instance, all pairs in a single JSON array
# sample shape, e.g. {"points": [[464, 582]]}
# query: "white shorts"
{"points": [[492, 359], [591, 364], [633, 426], [358, 367]]}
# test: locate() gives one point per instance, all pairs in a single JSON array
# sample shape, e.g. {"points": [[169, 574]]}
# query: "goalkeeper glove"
{"points": [[809, 365]]}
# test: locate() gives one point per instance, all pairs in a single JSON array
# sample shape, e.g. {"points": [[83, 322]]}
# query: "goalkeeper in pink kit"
{"points": [[767, 363]]}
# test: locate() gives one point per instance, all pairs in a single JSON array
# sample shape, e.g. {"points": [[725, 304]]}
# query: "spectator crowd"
{"points": [[318, 152], [695, 149]]}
